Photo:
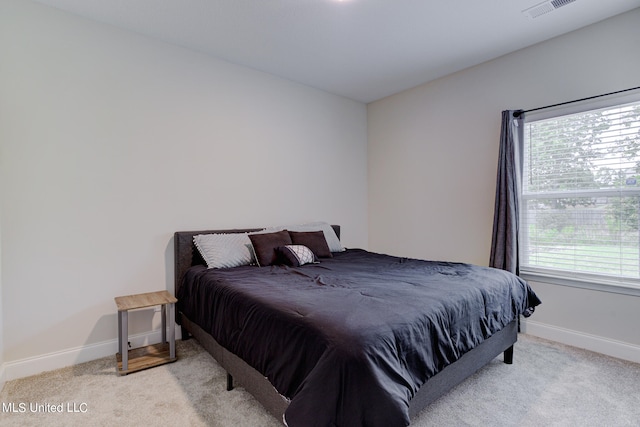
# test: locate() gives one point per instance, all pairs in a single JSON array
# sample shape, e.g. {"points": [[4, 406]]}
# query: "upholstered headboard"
{"points": [[186, 255]]}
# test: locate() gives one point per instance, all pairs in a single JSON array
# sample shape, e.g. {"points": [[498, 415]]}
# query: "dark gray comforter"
{"points": [[350, 340]]}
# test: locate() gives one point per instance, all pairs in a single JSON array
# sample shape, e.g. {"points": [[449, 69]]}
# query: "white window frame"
{"points": [[581, 280]]}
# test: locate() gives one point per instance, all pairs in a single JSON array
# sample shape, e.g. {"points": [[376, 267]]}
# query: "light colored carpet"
{"points": [[549, 384]]}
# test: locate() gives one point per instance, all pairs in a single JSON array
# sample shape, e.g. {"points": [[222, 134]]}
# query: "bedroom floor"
{"points": [[549, 384]]}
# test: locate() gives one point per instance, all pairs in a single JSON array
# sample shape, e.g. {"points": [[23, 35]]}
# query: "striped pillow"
{"points": [[224, 250]]}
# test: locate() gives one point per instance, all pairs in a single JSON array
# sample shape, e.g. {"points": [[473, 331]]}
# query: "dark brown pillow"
{"points": [[314, 240], [265, 244]]}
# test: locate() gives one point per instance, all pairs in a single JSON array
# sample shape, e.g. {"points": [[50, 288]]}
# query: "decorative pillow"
{"points": [[224, 250], [329, 233], [313, 240], [265, 244], [296, 255]]}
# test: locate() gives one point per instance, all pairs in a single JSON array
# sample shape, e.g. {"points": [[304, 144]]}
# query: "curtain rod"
{"points": [[518, 113]]}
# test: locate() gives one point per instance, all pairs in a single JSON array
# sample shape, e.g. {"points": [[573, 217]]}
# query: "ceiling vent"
{"points": [[545, 7]]}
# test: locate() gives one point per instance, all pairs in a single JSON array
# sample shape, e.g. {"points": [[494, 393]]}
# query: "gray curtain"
{"points": [[506, 220]]}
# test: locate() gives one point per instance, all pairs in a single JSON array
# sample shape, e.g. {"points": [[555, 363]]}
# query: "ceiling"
{"points": [[361, 49]]}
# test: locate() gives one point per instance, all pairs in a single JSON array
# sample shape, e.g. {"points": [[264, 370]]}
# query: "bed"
{"points": [[350, 340]]}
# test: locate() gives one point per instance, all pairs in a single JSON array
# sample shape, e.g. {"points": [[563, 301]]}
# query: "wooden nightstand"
{"points": [[151, 355]]}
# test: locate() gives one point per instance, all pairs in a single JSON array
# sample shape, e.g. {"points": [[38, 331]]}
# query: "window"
{"points": [[580, 208]]}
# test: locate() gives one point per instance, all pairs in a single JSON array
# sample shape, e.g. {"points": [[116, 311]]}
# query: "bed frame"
{"points": [[186, 256]]}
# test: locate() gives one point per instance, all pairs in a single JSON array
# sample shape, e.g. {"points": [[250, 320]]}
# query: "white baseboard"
{"points": [[73, 356], [60, 359], [2, 376], [619, 349]]}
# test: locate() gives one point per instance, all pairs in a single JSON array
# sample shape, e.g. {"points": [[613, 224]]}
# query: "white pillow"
{"points": [[329, 233], [296, 255], [224, 250]]}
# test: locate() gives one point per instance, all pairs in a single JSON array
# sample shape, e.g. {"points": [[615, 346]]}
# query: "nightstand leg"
{"points": [[172, 330], [124, 342], [163, 316], [120, 332]]}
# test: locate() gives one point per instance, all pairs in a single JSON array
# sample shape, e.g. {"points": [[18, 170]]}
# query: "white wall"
{"points": [[110, 142], [2, 373], [433, 155]]}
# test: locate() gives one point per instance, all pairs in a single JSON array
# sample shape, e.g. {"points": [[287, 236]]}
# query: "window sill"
{"points": [[593, 284]]}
